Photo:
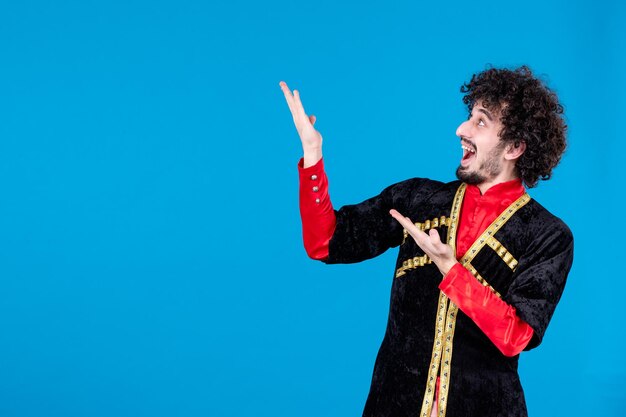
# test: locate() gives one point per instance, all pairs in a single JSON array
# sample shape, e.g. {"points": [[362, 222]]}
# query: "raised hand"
{"points": [[440, 253], [311, 139]]}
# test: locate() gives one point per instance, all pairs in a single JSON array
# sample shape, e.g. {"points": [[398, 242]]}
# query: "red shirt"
{"points": [[497, 319]]}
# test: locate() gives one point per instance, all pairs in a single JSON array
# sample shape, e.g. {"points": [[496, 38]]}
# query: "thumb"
{"points": [[434, 236]]}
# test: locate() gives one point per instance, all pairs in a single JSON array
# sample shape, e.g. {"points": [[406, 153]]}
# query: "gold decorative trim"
{"points": [[480, 279], [413, 263], [454, 216], [447, 360], [502, 252], [429, 224], [418, 261], [450, 310], [494, 227], [441, 331], [435, 359]]}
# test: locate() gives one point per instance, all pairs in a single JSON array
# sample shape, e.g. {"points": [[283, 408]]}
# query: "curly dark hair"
{"points": [[530, 112]]}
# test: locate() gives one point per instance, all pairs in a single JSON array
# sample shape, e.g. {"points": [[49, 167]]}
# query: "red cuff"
{"points": [[492, 315], [316, 210]]}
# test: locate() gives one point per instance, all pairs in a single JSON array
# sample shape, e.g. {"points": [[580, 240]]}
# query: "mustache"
{"points": [[469, 143]]}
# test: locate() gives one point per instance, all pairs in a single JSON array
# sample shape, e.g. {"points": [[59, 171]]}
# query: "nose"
{"points": [[463, 130]]}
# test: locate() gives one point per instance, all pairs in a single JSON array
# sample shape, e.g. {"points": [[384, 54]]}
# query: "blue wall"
{"points": [[150, 246]]}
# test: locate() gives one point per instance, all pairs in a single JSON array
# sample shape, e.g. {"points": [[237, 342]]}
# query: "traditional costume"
{"points": [[452, 343]]}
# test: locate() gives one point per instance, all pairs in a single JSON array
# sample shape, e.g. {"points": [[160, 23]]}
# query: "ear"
{"points": [[515, 150]]}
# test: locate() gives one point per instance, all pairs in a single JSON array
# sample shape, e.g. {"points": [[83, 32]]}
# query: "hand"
{"points": [[440, 253], [311, 139]]}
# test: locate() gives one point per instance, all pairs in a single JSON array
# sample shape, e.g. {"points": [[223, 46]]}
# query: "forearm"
{"points": [[497, 319], [312, 155], [316, 210]]}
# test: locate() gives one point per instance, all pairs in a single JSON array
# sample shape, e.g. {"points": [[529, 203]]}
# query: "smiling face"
{"points": [[483, 152]]}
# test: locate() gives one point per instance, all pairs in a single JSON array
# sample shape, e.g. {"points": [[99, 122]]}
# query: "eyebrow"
{"points": [[489, 116]]}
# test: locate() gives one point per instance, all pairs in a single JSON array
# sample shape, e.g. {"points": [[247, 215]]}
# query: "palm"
{"points": [[440, 253], [309, 136]]}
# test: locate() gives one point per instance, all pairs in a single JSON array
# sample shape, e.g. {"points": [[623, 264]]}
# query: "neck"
{"points": [[504, 176]]}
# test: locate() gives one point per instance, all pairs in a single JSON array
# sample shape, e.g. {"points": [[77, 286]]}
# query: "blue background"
{"points": [[151, 261]]}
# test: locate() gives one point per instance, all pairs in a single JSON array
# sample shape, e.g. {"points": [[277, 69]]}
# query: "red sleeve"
{"points": [[492, 315], [316, 210]]}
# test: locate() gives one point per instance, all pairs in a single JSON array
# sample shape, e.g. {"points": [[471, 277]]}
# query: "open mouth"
{"points": [[469, 154]]}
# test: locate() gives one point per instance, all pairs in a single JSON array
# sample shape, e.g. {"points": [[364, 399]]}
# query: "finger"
{"points": [[288, 95], [434, 237], [420, 237], [404, 221], [298, 102], [435, 240]]}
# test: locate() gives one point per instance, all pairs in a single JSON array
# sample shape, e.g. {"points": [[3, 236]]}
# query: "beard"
{"points": [[488, 169], [470, 177]]}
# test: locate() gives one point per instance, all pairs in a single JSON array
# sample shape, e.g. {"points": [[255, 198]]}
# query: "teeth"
{"points": [[467, 149]]}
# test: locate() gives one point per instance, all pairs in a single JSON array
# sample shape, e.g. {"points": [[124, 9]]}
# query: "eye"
{"points": [[481, 122]]}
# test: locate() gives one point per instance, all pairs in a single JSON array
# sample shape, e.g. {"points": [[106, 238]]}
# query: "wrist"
{"points": [[447, 266], [312, 156]]}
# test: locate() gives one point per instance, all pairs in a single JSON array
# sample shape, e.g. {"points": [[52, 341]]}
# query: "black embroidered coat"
{"points": [[480, 380]]}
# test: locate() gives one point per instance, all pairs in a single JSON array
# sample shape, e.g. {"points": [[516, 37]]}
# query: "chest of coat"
{"points": [[492, 258]]}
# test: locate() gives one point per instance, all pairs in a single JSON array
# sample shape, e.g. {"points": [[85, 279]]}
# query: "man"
{"points": [[481, 265]]}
